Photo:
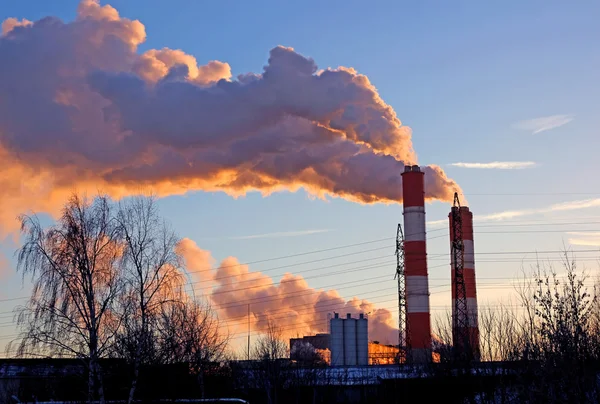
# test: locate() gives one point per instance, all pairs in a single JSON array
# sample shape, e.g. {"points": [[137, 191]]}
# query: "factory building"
{"points": [[347, 344], [304, 349], [382, 354]]}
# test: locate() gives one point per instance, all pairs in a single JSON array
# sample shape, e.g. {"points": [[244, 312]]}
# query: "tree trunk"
{"points": [[95, 380], [136, 374], [91, 378], [141, 340], [100, 383], [201, 382]]}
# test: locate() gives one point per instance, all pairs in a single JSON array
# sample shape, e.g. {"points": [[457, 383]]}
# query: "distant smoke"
{"points": [[291, 304], [81, 108]]}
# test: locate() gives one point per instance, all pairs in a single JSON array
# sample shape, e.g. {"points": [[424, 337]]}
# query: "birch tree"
{"points": [[75, 269], [152, 277]]}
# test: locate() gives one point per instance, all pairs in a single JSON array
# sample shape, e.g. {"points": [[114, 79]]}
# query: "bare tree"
{"points": [[152, 277], [487, 325], [269, 349], [109, 282], [554, 338], [188, 331], [75, 269], [526, 288], [442, 336], [271, 345]]}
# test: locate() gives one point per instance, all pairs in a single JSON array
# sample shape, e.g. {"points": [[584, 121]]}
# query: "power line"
{"points": [[431, 257], [533, 194], [481, 285], [435, 308]]}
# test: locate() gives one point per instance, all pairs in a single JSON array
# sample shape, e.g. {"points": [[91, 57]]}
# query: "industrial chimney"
{"points": [[464, 293], [418, 321]]}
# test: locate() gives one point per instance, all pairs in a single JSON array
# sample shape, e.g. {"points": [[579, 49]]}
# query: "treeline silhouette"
{"points": [[108, 283], [546, 347]]}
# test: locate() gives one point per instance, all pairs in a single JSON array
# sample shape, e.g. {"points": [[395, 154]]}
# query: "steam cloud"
{"points": [[291, 304], [80, 108]]}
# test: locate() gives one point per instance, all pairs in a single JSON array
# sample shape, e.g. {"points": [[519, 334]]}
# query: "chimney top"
{"points": [[361, 316], [336, 315], [413, 168], [348, 315]]}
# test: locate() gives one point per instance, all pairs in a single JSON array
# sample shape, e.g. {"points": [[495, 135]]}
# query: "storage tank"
{"points": [[336, 340], [362, 340], [350, 350]]}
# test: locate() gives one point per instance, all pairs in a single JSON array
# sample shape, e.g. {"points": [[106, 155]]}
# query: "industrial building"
{"points": [[346, 345], [301, 349], [383, 354]]}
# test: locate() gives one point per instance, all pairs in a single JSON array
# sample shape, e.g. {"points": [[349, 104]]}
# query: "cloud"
{"points": [[11, 23], [590, 239], [589, 242], [282, 234], [110, 118], [574, 205], [582, 233], [291, 302], [198, 262], [500, 165], [558, 207], [295, 306], [543, 124], [437, 222], [510, 214]]}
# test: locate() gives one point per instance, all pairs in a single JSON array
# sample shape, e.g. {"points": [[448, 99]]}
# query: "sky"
{"points": [[503, 96]]}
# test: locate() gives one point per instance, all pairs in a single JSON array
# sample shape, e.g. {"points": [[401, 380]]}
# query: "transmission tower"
{"points": [[403, 337], [460, 320]]}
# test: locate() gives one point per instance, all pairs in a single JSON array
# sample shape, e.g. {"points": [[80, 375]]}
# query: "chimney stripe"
{"points": [[418, 318]]}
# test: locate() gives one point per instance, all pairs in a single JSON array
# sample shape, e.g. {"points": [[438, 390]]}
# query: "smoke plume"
{"points": [[81, 108], [290, 304]]}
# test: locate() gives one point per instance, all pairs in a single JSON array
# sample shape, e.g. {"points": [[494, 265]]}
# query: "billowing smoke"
{"points": [[81, 109], [291, 304]]}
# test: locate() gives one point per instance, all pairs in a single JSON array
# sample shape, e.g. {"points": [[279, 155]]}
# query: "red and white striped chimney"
{"points": [[469, 276], [418, 321]]}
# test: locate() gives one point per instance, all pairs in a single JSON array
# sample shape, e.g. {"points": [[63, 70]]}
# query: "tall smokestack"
{"points": [[466, 218], [418, 321]]}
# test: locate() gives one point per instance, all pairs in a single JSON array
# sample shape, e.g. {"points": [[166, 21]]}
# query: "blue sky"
{"points": [[462, 75]]}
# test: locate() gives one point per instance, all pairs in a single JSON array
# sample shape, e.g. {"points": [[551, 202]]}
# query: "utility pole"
{"points": [[248, 352]]}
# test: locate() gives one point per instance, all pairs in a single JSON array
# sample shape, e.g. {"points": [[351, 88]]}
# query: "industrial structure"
{"points": [[382, 354], [403, 346], [414, 319], [303, 350], [416, 283], [465, 324], [349, 341]]}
